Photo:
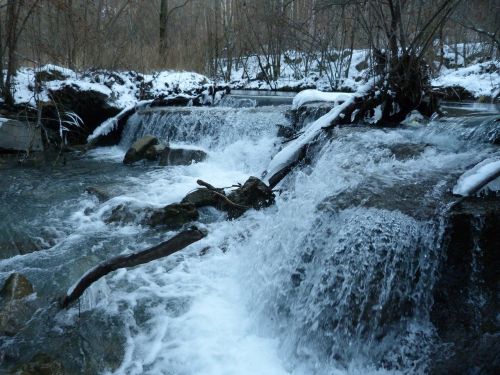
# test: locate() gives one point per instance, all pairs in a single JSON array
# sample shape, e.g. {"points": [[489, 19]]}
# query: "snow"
{"points": [[123, 89], [2, 120], [300, 71], [79, 85], [482, 79], [110, 124], [290, 153], [308, 96], [477, 177]]}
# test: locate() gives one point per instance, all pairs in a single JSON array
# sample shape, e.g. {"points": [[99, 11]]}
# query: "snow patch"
{"points": [[482, 79], [111, 123], [308, 96], [477, 177]]}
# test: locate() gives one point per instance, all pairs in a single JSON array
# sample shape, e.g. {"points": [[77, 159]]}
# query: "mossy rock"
{"points": [[15, 287]]}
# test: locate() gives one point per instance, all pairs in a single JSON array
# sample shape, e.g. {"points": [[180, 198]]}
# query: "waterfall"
{"points": [[207, 127], [338, 277]]}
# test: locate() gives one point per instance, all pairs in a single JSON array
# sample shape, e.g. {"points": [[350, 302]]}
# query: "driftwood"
{"points": [[176, 243]]}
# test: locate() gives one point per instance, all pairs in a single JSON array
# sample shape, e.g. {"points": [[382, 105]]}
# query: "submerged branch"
{"points": [[176, 243]]}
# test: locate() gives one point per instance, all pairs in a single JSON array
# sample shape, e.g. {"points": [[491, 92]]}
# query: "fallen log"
{"points": [[169, 247]]}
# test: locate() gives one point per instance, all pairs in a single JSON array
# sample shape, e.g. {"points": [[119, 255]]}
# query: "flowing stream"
{"points": [[335, 278]]}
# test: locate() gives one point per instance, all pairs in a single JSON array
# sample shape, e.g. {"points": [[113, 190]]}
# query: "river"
{"points": [[335, 278]]}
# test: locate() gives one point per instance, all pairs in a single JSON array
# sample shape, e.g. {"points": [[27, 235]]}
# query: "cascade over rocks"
{"points": [[400, 86], [252, 194], [174, 244]]}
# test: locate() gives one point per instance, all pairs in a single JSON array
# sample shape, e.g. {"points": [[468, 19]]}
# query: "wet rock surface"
{"points": [[202, 197], [15, 309], [138, 151], [173, 216], [181, 156], [40, 364], [15, 287], [466, 303], [100, 193]]}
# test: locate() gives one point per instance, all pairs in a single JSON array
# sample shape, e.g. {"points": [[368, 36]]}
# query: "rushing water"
{"points": [[335, 278]]}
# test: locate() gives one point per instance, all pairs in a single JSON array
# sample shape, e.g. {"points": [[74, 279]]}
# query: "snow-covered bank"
{"points": [[479, 80], [96, 96], [122, 89], [456, 77]]}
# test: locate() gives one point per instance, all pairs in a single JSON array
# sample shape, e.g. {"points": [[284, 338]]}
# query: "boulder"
{"points": [[153, 153], [101, 194], [19, 136], [122, 214], [465, 309], [181, 156], [173, 216], [203, 197], [15, 287], [15, 311], [139, 149]]}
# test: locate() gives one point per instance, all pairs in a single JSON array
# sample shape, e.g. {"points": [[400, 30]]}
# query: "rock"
{"points": [[139, 148], [153, 153], [21, 246], [465, 309], [14, 310], [405, 151], [40, 364], [19, 136], [101, 194], [203, 197], [16, 287], [254, 193], [173, 216], [180, 156], [122, 214]]}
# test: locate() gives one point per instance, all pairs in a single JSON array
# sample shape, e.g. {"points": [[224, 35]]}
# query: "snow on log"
{"points": [[476, 178], [308, 96], [174, 244], [111, 123]]}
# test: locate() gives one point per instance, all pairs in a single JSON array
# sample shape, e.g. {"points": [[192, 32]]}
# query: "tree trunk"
{"points": [[163, 29]]}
